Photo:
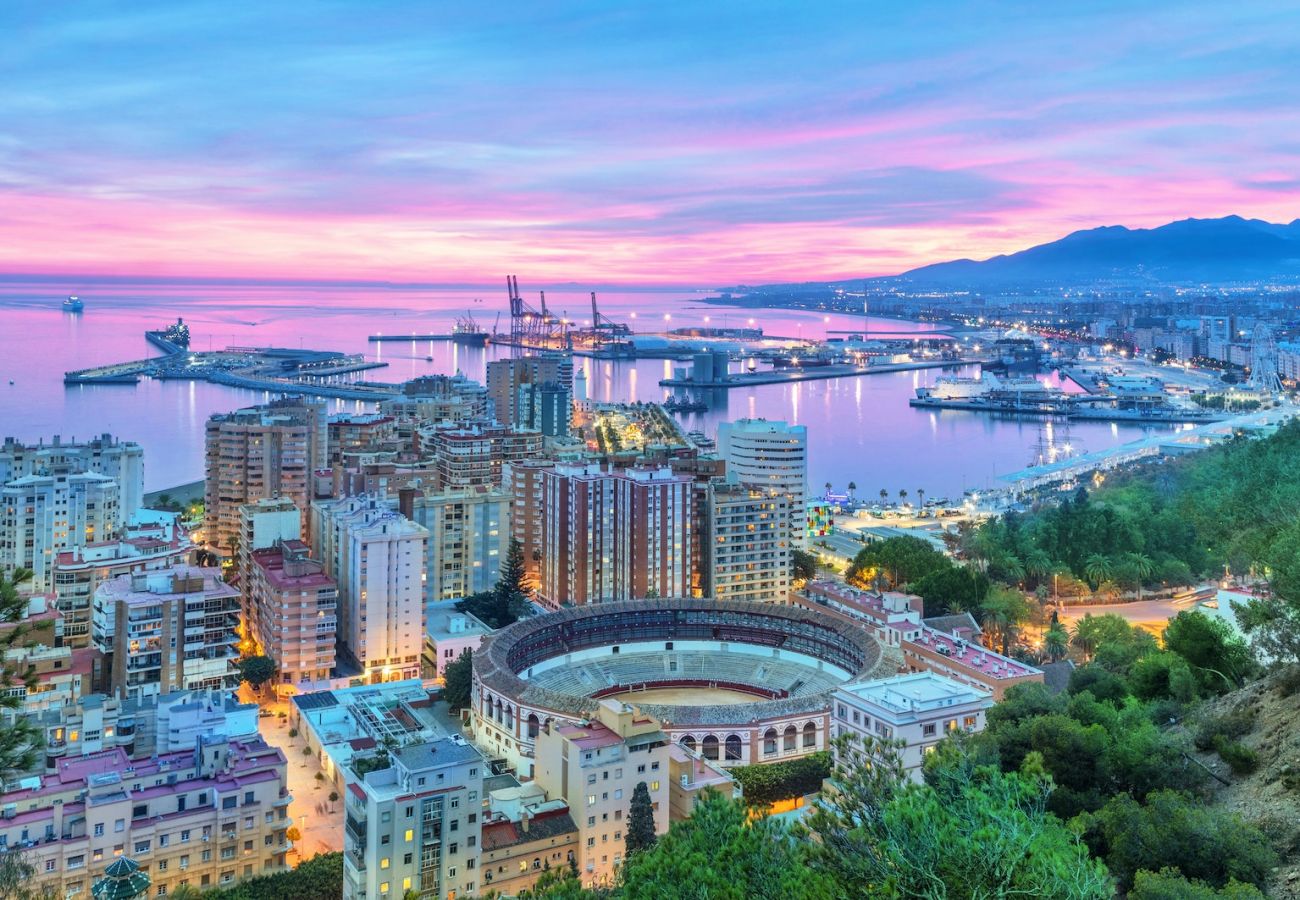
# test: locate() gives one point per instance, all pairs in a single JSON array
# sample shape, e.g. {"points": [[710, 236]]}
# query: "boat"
{"points": [[73, 304], [467, 332], [685, 404], [428, 359]]}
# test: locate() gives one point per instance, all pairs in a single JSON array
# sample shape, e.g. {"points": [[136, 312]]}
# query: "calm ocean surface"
{"points": [[859, 429]]}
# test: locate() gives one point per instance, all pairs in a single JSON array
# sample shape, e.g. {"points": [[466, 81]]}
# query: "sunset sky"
{"points": [[657, 142]]}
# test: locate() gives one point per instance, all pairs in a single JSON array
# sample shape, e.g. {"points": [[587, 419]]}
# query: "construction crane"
{"points": [[532, 328]]}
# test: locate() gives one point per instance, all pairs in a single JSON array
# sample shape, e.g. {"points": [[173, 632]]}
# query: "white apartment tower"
{"points": [[469, 537], [772, 456], [377, 557]]}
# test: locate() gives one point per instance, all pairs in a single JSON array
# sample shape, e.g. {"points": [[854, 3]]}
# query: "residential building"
{"points": [[449, 634], [917, 710], [169, 630], [748, 543], [772, 456], [63, 676], [614, 534], [46, 512], [594, 767], [260, 452], [523, 835], [350, 434], [522, 481], [295, 615], [123, 461], [414, 825], [472, 455], [209, 816], [690, 775], [469, 537], [78, 571], [436, 399], [534, 392], [263, 524], [376, 556]]}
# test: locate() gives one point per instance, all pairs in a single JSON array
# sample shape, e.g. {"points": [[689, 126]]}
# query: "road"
{"points": [[319, 822], [1151, 615]]}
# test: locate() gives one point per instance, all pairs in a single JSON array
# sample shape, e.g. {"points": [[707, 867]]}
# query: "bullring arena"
{"points": [[741, 682]]}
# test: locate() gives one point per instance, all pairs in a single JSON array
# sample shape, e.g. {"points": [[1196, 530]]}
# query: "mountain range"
{"points": [[1218, 250]]}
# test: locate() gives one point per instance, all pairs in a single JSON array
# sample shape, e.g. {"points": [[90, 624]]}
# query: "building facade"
{"points": [[748, 543], [257, 453], [414, 825], [205, 817], [614, 534], [534, 392], [772, 456], [376, 556], [469, 536], [917, 710], [169, 630], [296, 616]]}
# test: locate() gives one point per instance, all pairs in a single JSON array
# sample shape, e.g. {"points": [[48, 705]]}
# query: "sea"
{"points": [[861, 430]]}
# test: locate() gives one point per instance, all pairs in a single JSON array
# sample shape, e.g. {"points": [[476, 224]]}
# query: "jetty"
{"points": [[819, 373]]}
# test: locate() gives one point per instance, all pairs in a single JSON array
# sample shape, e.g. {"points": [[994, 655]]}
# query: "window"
{"points": [[185, 835], [406, 859], [928, 729], [591, 799], [383, 887], [99, 829], [383, 863], [141, 846], [410, 835], [229, 802], [654, 785]]}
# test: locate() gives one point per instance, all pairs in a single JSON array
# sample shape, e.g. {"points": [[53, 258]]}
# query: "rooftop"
{"points": [[915, 692]]}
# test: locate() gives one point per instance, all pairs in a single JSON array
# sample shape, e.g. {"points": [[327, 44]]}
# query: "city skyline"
{"points": [[673, 146]]}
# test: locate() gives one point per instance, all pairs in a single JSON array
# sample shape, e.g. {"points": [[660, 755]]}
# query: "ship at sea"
{"points": [[172, 339], [993, 392], [73, 304]]}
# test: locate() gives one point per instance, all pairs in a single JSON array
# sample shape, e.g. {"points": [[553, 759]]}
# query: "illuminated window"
{"points": [[410, 835]]}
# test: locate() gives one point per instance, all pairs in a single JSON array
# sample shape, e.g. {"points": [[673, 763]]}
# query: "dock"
{"points": [[1078, 411], [788, 376], [465, 339]]}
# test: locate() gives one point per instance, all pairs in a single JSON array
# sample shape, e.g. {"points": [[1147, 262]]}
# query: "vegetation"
{"points": [[770, 783], [507, 602], [21, 740], [803, 566], [1170, 884], [458, 678], [255, 671], [895, 562], [640, 821], [319, 877]]}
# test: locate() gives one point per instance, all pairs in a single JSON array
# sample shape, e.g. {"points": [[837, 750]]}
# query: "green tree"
{"points": [[1170, 884], [458, 677], [720, 853], [314, 879], [1003, 611], [255, 671], [17, 877], [1056, 642], [969, 831], [1172, 831], [507, 601], [901, 560], [640, 821], [1211, 648], [1097, 569], [766, 783], [952, 589], [803, 566], [21, 740]]}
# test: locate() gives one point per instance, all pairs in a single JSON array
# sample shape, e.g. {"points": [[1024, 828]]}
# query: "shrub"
{"points": [[1229, 726], [293, 732], [1240, 758], [1288, 682], [768, 783]]}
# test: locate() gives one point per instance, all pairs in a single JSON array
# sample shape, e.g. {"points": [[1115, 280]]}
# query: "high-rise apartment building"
{"points": [[206, 817], [772, 456], [472, 455], [414, 825], [594, 767], [469, 536], [123, 461], [377, 556], [748, 544], [522, 481], [614, 535], [80, 570], [533, 392], [168, 630], [296, 606], [263, 525], [256, 453]]}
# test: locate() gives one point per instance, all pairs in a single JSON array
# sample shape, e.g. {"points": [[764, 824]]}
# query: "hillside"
{"points": [[1270, 796], [1227, 249]]}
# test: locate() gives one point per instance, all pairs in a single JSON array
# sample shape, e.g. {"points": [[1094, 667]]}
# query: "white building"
{"points": [[376, 555], [772, 456], [42, 515], [123, 461], [917, 709], [449, 634], [469, 536], [414, 826], [748, 544]]}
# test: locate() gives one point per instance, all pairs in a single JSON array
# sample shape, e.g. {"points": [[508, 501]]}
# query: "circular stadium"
{"points": [[741, 682]]}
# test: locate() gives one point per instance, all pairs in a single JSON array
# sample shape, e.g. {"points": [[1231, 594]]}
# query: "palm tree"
{"points": [[884, 494], [1011, 567], [1097, 568], [1037, 564], [1056, 642], [1142, 567], [920, 497], [902, 496], [1081, 638], [828, 488]]}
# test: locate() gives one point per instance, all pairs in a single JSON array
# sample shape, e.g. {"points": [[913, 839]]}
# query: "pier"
{"points": [[787, 376], [1087, 410]]}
